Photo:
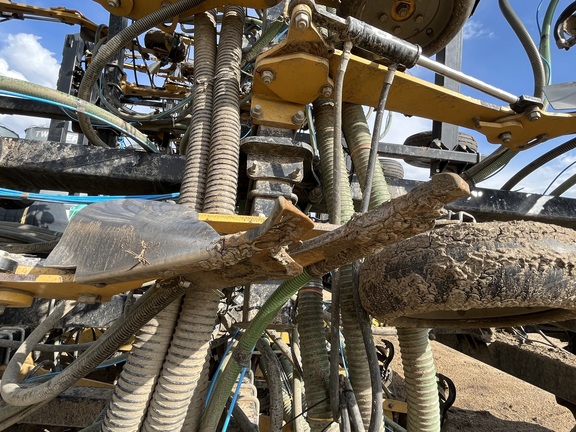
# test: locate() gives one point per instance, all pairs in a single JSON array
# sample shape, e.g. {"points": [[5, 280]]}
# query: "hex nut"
{"points": [[114, 3], [299, 117], [267, 76], [326, 90], [256, 111], [302, 20], [505, 137]]}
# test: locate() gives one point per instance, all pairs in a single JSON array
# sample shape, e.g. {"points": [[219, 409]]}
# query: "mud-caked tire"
{"points": [[474, 275]]}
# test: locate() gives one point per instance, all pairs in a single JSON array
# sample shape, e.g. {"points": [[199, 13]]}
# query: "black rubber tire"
{"points": [[392, 168], [422, 139], [494, 274]]}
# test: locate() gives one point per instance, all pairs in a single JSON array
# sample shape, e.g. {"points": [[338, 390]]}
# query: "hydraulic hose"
{"points": [[539, 162], [315, 363], [490, 165], [152, 302], [118, 42], [222, 177], [272, 370], [199, 133], [135, 386], [243, 351], [563, 187], [544, 47], [325, 123], [27, 89], [183, 382], [420, 378], [529, 47]]}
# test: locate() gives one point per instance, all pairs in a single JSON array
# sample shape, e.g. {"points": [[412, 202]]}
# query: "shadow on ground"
{"points": [[483, 421]]}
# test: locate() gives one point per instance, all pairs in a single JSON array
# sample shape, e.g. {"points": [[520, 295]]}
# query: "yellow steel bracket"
{"points": [[292, 74], [416, 97], [61, 14], [136, 9]]}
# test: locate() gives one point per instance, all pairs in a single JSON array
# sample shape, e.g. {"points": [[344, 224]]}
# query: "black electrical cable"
{"points": [[566, 185], [566, 13], [556, 178], [539, 162]]}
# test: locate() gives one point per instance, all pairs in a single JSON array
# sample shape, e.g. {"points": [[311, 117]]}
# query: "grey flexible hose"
{"points": [[272, 370], [222, 177], [183, 382], [199, 133], [529, 47], [118, 42], [135, 386], [152, 302]]}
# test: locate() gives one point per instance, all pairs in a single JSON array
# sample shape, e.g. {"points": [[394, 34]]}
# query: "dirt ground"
{"points": [[489, 400]]}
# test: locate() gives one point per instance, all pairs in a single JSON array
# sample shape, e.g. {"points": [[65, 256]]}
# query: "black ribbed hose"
{"points": [[540, 161], [271, 367], [315, 364], [222, 180], [198, 139]]}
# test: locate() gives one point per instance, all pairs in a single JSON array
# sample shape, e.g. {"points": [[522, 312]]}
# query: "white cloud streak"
{"points": [[22, 56], [476, 30]]}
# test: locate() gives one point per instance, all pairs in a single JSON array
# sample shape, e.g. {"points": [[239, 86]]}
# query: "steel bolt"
{"points": [[302, 20], [114, 3], [256, 111], [505, 137], [267, 76], [326, 91], [419, 19], [299, 117], [534, 115], [397, 30], [383, 17]]}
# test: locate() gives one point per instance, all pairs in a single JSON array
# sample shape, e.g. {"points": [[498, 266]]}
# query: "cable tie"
{"points": [[81, 106]]}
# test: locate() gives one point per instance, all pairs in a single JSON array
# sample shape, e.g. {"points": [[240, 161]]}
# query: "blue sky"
{"points": [[492, 53]]}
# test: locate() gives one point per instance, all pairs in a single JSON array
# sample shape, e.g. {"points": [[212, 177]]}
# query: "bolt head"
{"points": [[326, 91], [534, 116], [302, 20], [256, 111], [383, 17], [397, 30], [114, 3], [299, 117], [267, 76], [419, 19], [505, 137]]}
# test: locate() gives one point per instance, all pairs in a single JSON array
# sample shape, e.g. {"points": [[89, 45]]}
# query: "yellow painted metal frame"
{"points": [[19, 289], [136, 9], [66, 16]]}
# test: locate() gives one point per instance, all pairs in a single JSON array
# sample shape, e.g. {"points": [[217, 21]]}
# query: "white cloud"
{"points": [[24, 57], [476, 30]]}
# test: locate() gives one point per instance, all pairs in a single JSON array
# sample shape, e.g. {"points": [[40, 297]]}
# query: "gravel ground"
{"points": [[489, 400]]}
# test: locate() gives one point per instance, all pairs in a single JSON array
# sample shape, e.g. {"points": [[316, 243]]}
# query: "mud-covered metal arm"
{"points": [[367, 37]]}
